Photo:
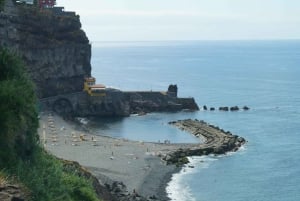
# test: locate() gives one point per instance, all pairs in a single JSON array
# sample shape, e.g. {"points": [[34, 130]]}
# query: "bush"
{"points": [[49, 181], [18, 114]]}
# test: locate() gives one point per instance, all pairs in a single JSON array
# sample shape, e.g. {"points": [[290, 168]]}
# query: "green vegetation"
{"points": [[21, 157], [18, 119], [48, 180], [2, 4]]}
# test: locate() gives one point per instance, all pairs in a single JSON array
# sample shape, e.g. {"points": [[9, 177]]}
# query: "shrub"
{"points": [[49, 181], [18, 119]]}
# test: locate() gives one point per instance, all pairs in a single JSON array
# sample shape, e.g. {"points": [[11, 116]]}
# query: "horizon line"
{"points": [[195, 40]]}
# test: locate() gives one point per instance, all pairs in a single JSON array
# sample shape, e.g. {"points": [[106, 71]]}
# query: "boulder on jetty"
{"points": [[217, 141]]}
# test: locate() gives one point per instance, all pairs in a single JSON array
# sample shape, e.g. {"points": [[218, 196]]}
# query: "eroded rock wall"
{"points": [[54, 48]]}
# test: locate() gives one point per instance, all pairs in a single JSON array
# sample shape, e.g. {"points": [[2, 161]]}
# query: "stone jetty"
{"points": [[216, 141]]}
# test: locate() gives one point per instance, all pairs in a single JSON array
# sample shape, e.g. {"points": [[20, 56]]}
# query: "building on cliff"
{"points": [[46, 3], [92, 88]]}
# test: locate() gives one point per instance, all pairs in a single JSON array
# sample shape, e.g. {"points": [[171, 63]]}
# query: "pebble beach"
{"points": [[136, 164]]}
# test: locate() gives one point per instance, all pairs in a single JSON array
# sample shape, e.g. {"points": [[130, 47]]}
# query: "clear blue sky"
{"points": [[142, 20]]}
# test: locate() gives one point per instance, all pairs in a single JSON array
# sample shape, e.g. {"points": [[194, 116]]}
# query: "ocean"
{"points": [[264, 75]]}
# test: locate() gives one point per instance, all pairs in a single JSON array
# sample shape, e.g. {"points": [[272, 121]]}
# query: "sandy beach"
{"points": [[136, 164]]}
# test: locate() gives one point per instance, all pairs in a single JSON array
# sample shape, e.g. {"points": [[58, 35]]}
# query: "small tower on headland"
{"points": [[46, 3], [172, 90]]}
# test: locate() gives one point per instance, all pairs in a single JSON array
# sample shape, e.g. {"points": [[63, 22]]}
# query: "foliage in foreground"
{"points": [[18, 114], [21, 157], [1, 4], [48, 180]]}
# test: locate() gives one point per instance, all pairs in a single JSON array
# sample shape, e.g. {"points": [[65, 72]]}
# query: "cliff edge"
{"points": [[57, 54], [52, 44]]}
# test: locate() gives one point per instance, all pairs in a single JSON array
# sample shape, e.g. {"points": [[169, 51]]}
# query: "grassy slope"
{"points": [[21, 157]]}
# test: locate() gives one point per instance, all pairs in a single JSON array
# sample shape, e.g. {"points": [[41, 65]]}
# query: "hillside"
{"points": [[35, 175]]}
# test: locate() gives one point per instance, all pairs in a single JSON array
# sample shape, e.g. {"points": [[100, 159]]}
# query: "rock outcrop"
{"points": [[10, 192], [54, 48], [226, 108], [154, 101]]}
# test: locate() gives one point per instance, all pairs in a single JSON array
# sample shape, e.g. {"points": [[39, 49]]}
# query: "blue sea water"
{"points": [[263, 75]]}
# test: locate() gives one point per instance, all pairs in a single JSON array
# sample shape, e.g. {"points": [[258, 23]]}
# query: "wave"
{"points": [[178, 189]]}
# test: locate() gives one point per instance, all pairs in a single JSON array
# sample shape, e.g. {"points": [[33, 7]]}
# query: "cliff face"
{"points": [[55, 49]]}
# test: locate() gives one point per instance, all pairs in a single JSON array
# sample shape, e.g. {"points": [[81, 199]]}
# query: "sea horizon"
{"points": [[120, 42]]}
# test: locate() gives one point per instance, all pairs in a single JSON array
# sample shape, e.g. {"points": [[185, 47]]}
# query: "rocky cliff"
{"points": [[53, 46], [57, 55]]}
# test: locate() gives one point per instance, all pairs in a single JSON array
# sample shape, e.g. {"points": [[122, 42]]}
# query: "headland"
{"points": [[98, 100]]}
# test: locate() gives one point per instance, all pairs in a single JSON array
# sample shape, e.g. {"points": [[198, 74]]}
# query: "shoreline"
{"points": [[138, 165], [130, 168]]}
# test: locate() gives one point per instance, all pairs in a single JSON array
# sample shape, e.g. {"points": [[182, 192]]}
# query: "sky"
{"points": [[157, 20]]}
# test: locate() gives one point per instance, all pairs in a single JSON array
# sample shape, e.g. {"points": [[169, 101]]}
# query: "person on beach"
{"points": [[134, 193]]}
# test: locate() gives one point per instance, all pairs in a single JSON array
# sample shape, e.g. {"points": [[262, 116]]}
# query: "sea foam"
{"points": [[178, 189]]}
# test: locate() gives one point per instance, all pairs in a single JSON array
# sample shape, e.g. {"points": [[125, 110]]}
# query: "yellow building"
{"points": [[93, 89]]}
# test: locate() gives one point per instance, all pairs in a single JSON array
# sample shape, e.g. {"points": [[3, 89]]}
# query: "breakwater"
{"points": [[216, 141]]}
